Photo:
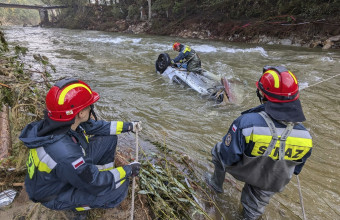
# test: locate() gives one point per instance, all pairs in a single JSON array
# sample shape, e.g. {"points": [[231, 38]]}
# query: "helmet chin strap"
{"points": [[92, 113], [261, 98]]}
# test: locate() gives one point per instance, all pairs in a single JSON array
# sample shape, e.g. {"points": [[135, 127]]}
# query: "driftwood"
{"points": [[331, 41], [5, 133], [11, 184]]}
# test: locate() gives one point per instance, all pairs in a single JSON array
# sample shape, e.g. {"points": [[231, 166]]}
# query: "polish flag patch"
{"points": [[77, 163], [234, 128]]}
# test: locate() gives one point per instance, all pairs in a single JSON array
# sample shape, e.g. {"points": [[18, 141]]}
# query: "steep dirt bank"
{"points": [[286, 30]]}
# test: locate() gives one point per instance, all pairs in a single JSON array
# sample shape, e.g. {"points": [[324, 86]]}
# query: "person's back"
{"points": [[266, 144], [189, 55]]}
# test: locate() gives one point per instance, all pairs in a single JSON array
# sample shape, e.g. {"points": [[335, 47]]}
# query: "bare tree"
{"points": [[149, 4]]}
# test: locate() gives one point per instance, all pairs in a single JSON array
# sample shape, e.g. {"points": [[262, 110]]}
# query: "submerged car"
{"points": [[206, 83]]}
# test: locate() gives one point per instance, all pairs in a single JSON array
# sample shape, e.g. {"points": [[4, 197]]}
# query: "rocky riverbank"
{"points": [[323, 34]]}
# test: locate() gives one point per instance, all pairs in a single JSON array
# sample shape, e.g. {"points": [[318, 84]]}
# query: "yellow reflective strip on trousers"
{"points": [[80, 209], [119, 127], [42, 167]]}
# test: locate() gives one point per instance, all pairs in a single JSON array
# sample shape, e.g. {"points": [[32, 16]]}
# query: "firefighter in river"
{"points": [[192, 60], [266, 145], [67, 170]]}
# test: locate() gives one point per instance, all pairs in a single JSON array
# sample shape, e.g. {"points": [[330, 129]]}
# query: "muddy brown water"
{"points": [[121, 68]]}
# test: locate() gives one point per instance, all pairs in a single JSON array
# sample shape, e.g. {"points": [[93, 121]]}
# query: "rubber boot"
{"points": [[216, 180]]}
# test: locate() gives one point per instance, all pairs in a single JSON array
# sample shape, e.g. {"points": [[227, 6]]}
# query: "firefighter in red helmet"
{"points": [[187, 57], [67, 170], [266, 145]]}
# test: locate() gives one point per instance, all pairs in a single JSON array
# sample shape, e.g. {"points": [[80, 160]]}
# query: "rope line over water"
{"points": [[321, 81], [301, 199], [134, 181]]}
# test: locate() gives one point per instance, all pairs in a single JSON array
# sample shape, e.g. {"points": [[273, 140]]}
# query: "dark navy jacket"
{"points": [[57, 160], [249, 134], [185, 53]]}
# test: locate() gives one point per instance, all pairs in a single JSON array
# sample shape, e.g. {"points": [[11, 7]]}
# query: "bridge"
{"points": [[42, 10]]}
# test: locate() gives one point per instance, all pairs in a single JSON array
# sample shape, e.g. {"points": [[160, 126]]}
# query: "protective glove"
{"points": [[135, 167], [172, 64], [136, 126]]}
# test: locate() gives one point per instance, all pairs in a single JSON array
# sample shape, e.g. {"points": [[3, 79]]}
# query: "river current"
{"points": [[121, 68]]}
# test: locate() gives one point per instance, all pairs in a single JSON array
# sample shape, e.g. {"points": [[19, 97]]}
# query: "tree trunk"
{"points": [[149, 4]]}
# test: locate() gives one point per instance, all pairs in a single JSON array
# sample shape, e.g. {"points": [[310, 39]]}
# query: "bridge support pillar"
{"points": [[43, 17]]}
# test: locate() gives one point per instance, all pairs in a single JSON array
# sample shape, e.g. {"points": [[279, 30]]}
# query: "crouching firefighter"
{"points": [[67, 170], [192, 60], [266, 144]]}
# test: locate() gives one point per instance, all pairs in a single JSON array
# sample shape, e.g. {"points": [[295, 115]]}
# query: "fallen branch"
{"points": [[1, 84], [11, 184]]}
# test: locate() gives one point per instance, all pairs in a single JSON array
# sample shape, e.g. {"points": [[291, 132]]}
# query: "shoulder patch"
{"points": [[228, 140], [234, 128], [77, 163]]}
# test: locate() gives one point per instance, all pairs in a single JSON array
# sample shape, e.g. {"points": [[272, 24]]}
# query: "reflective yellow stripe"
{"points": [[119, 127], [290, 140], [86, 137], [293, 77], [187, 49], [295, 149], [30, 165], [43, 162], [292, 152], [276, 78], [116, 127], [84, 208], [121, 172], [119, 175], [67, 89], [105, 167], [42, 167]]}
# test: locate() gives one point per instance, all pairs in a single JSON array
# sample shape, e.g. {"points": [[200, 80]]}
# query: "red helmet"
{"points": [[278, 84], [176, 46], [67, 98]]}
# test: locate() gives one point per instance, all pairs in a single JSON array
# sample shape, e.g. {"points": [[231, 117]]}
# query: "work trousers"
{"points": [[102, 151], [194, 65], [254, 201]]}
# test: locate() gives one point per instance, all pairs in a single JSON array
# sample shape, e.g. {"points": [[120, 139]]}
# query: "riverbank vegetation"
{"points": [[21, 101], [168, 186]]}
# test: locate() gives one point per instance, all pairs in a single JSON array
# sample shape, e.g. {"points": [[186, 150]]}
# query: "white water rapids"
{"points": [[121, 68]]}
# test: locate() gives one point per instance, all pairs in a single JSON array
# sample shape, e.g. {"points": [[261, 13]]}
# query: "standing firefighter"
{"points": [[266, 144], [191, 58], [67, 170]]}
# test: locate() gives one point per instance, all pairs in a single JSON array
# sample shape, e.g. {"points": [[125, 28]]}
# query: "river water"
{"points": [[121, 68]]}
